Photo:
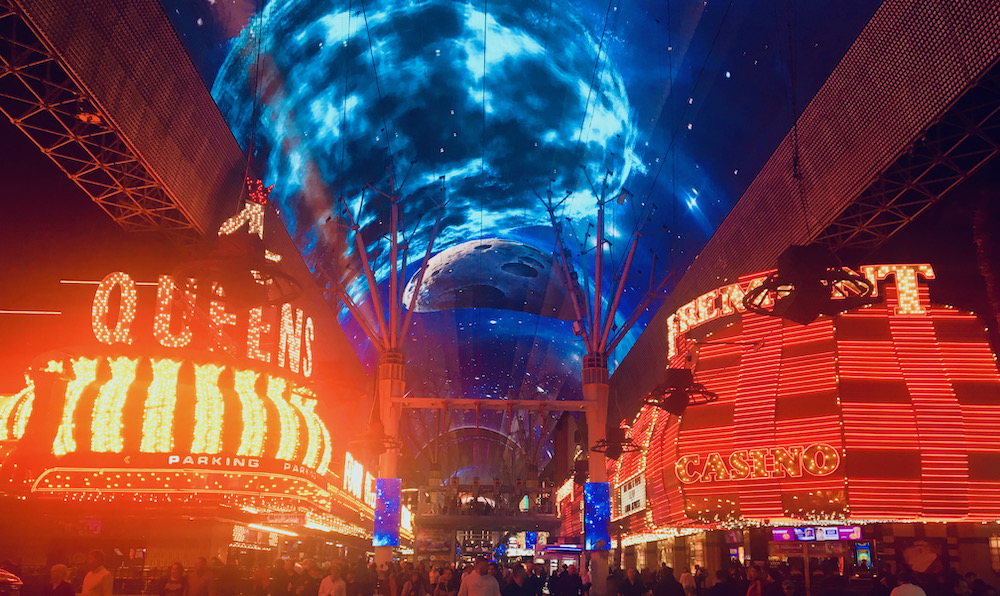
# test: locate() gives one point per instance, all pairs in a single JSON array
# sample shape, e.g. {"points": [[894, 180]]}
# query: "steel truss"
{"points": [[41, 98], [965, 138]]}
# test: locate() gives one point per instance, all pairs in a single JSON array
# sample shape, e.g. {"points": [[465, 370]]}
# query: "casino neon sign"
{"points": [[818, 459], [728, 300]]}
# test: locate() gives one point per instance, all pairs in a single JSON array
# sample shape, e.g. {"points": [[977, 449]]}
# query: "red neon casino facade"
{"points": [[882, 418]]}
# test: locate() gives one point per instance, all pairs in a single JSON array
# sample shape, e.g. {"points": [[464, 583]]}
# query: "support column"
{"points": [[595, 393], [391, 384], [531, 488]]}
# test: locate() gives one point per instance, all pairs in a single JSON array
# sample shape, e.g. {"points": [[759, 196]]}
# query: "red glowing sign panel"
{"points": [[782, 535], [922, 374]]}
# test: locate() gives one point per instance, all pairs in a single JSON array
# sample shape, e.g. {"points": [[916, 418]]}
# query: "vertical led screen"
{"points": [[596, 514], [388, 498]]}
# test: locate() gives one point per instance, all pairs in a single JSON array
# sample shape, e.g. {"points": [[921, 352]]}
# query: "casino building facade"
{"points": [[868, 438], [168, 459], [162, 439]]}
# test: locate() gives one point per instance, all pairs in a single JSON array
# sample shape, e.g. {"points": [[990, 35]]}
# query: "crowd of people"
{"points": [[485, 578], [287, 577]]}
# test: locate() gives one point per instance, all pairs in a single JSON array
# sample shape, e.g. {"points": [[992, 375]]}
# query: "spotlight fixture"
{"points": [[374, 442], [804, 286], [678, 391], [239, 264], [615, 444]]}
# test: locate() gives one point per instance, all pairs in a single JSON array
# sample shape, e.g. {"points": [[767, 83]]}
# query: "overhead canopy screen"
{"points": [[506, 117]]}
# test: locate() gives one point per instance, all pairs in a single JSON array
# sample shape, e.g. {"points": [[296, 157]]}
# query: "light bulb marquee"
{"points": [[160, 418], [727, 301], [138, 427], [279, 334], [15, 410], [885, 412]]}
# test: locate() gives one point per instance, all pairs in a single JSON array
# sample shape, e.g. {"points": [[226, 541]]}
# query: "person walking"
{"points": [[58, 586], [446, 584], [201, 580], [633, 585], [175, 584], [479, 582], [571, 583], [98, 581], [414, 586], [667, 584], [906, 586], [518, 585]]}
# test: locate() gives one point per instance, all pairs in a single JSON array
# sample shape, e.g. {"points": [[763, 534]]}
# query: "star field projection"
{"points": [[486, 106], [596, 515], [388, 502]]}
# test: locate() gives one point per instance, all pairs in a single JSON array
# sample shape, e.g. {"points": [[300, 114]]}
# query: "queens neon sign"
{"points": [[176, 302], [359, 482]]}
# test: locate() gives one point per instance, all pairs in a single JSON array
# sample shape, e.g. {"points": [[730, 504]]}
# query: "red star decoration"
{"points": [[258, 193]]}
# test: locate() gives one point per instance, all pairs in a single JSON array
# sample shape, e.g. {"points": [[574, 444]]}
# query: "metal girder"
{"points": [[965, 138], [522, 522], [41, 98], [533, 405]]}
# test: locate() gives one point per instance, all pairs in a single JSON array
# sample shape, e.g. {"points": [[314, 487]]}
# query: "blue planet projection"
{"points": [[493, 273], [446, 102]]}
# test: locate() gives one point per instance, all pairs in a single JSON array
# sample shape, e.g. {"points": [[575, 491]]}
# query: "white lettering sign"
{"points": [[213, 460]]}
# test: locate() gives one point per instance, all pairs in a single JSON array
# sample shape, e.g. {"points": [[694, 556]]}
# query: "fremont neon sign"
{"points": [[728, 300], [818, 459]]}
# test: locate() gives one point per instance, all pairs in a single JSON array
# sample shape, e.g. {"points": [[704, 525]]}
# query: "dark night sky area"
{"points": [[50, 230]]}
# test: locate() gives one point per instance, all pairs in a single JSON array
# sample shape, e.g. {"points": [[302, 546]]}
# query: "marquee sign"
{"points": [[631, 495], [728, 300], [885, 411], [276, 334], [172, 326], [777, 462], [359, 482]]}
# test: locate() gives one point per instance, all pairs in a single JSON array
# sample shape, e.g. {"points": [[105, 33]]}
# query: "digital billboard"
{"points": [[388, 503], [596, 515], [500, 112]]}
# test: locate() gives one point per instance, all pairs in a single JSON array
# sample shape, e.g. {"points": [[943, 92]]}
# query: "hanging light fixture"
{"points": [[804, 285], [615, 444], [678, 391]]}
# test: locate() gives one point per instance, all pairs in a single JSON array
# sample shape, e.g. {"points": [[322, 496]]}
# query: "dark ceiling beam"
{"points": [[910, 66], [965, 139], [531, 405], [107, 90], [52, 108]]}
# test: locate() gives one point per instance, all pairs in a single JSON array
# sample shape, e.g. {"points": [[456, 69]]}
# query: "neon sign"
{"points": [[728, 300], [217, 461], [279, 334], [358, 481], [157, 382], [818, 459]]}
